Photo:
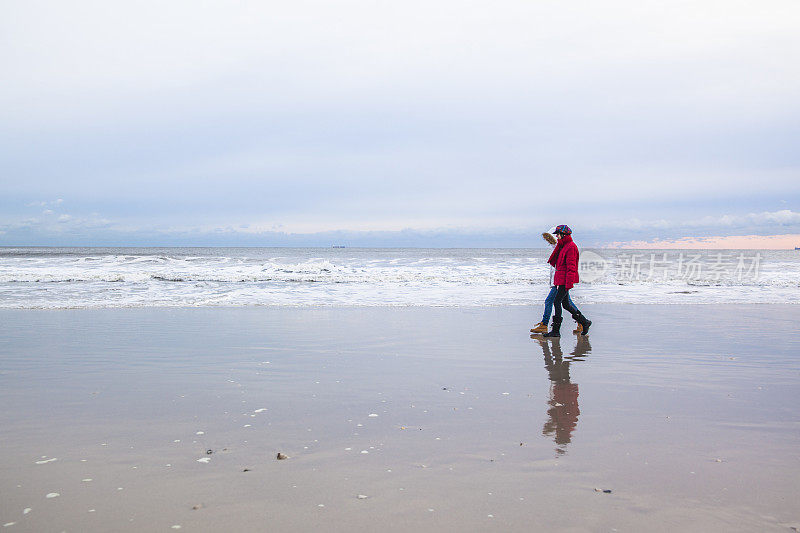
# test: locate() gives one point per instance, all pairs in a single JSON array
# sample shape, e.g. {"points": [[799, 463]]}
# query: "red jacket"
{"points": [[565, 259]]}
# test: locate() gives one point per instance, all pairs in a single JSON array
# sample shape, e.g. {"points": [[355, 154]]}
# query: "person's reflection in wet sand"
{"points": [[563, 403]]}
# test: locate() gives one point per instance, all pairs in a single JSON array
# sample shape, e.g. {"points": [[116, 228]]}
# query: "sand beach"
{"points": [[665, 418]]}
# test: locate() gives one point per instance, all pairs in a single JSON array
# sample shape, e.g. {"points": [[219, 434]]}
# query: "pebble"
{"points": [[205, 460], [26, 510], [209, 452], [53, 495], [176, 526], [607, 491], [200, 433], [364, 451], [362, 497], [281, 457], [196, 507], [246, 470], [373, 415]]}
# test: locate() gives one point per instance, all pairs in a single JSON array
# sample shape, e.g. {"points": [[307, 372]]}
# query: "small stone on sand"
{"points": [[26, 510], [362, 497], [281, 457], [204, 460], [373, 415], [53, 495]]}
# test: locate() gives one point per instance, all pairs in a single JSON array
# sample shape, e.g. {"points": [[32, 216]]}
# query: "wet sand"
{"points": [[689, 419]]}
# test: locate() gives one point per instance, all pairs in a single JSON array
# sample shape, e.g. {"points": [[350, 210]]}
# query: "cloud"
{"points": [[729, 242], [783, 217], [46, 203]]}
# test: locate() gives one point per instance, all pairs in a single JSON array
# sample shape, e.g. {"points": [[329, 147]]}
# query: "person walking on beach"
{"points": [[541, 327], [565, 258]]}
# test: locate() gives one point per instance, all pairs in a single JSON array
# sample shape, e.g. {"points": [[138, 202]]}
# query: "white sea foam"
{"points": [[138, 277]]}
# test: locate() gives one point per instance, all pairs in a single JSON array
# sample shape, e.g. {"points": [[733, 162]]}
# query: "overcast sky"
{"points": [[397, 123]]}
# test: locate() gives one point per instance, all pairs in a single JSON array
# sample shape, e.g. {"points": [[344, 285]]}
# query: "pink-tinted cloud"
{"points": [[733, 242]]}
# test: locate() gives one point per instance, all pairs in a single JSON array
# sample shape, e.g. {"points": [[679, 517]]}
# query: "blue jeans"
{"points": [[548, 304]]}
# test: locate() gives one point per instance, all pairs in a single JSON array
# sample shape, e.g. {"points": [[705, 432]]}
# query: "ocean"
{"points": [[62, 278]]}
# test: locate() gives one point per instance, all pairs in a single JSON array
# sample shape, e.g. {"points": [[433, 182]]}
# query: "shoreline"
{"points": [[392, 306]]}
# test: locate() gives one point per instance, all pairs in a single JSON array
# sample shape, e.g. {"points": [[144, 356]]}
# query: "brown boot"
{"points": [[541, 327], [578, 329]]}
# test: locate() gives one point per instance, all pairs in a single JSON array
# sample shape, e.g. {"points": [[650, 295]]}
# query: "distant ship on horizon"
{"points": [[337, 246]]}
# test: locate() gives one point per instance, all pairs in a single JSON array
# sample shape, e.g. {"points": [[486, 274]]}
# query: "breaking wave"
{"points": [[127, 277]]}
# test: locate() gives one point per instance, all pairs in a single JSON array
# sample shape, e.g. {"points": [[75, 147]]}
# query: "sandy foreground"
{"points": [[666, 418]]}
